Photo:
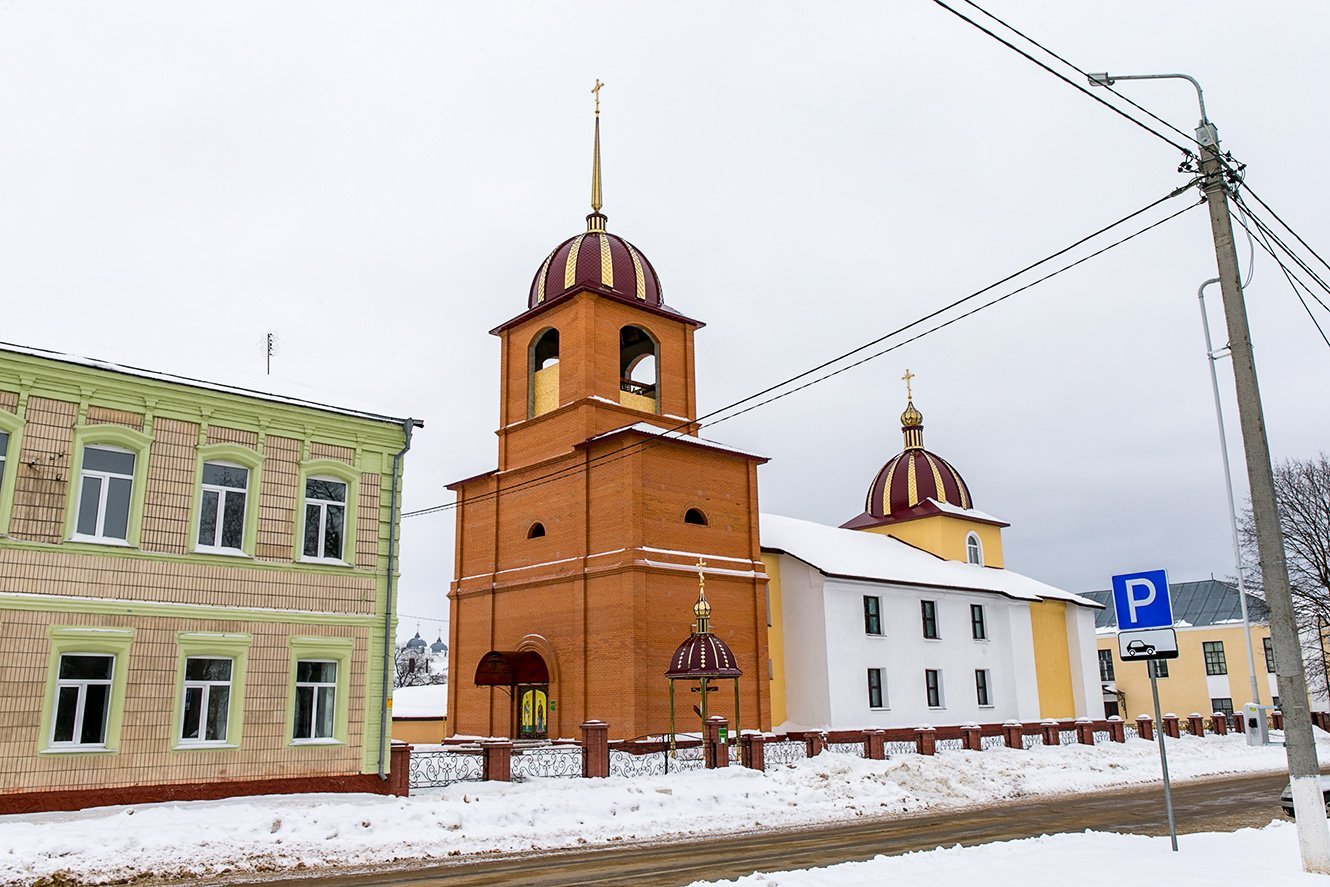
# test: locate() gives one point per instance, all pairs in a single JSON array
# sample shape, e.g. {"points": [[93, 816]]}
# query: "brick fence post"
{"points": [[1238, 722], [1145, 727], [1050, 732], [875, 745], [1011, 734], [1084, 731], [1195, 724], [752, 750], [1277, 720], [1171, 728], [716, 752], [595, 749], [814, 743], [1219, 723], [498, 760], [399, 766], [971, 738], [925, 740], [1117, 731]]}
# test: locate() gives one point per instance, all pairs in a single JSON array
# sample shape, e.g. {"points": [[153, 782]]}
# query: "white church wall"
{"points": [[1022, 646], [1082, 651], [807, 702]]}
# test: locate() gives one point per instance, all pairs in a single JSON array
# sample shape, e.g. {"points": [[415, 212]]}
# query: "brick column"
{"points": [[875, 745], [1011, 734], [399, 764], [1239, 723], [1171, 726], [1277, 720], [1084, 731], [717, 753], [497, 757], [1051, 734], [1195, 724], [925, 740], [595, 749], [1145, 727], [971, 740], [814, 743], [1219, 723], [752, 750], [1116, 729]]}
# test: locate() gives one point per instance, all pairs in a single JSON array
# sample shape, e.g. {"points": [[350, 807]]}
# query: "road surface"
{"points": [[1221, 804]]}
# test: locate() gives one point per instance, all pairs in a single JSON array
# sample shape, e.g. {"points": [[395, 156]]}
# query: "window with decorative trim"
{"points": [[11, 442], [222, 506], [85, 689], [4, 451], [105, 503], [974, 550], [328, 512], [212, 667], [318, 707]]}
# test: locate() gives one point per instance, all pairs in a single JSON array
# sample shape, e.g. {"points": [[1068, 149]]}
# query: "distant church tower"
{"points": [[575, 562]]}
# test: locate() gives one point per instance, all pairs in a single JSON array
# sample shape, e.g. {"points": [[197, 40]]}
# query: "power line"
{"points": [[628, 449], [1063, 77], [1286, 225], [1186, 135], [1267, 231], [1288, 275]]}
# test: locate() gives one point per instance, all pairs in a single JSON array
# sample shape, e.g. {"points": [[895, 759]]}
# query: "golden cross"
{"points": [[701, 575], [909, 395], [596, 90]]}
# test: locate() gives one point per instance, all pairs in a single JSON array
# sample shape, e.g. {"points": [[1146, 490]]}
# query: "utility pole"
{"points": [[1304, 773]]}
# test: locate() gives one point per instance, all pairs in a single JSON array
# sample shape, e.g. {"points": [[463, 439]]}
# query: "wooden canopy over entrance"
{"points": [[508, 669]]}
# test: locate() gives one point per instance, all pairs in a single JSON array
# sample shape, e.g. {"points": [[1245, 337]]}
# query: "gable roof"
{"points": [[854, 554], [1206, 602]]}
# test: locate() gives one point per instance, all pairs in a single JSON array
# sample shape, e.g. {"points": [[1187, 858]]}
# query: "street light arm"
{"points": [[1106, 79]]}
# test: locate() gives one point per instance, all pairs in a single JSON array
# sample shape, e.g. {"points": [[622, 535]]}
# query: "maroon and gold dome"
{"points": [[598, 261], [903, 487]]}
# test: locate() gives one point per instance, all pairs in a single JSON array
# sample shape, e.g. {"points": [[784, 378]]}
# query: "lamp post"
{"points": [[1304, 773], [1210, 357]]}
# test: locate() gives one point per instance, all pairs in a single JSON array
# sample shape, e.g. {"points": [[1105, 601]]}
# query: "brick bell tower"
{"points": [[576, 560]]}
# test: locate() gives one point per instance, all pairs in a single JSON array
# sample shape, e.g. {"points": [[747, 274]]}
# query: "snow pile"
{"points": [[1091, 859], [310, 831], [427, 701]]}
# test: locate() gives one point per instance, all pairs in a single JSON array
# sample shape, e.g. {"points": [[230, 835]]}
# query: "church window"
{"points": [[537, 530], [872, 614], [978, 622], [928, 610], [876, 696], [1105, 665], [544, 387], [933, 686], [695, 516], [982, 679], [638, 355], [974, 550]]}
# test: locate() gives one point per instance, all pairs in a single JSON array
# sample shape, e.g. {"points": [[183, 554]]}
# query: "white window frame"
{"points": [[80, 704], [974, 550], [222, 492], [316, 687], [322, 504], [206, 688], [986, 701], [105, 478]]}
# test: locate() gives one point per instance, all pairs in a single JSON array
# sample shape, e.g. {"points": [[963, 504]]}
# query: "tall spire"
{"points": [[596, 221], [912, 421]]}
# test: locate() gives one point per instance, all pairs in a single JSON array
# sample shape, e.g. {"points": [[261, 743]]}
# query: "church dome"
{"points": [[438, 646], [416, 643], [914, 476], [598, 261]]}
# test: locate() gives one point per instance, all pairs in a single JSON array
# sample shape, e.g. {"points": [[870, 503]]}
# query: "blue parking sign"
{"points": [[1141, 600]]}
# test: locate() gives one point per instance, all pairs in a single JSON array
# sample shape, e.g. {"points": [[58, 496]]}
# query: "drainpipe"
{"points": [[388, 608]]}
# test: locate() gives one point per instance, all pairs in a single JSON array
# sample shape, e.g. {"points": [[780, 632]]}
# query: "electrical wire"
{"points": [[1290, 277], [1286, 225], [629, 449], [1064, 78], [1186, 135], [1266, 232]]}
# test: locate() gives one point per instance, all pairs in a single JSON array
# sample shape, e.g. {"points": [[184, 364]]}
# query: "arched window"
{"points": [[695, 516], [974, 550], [544, 376], [537, 530], [638, 355]]}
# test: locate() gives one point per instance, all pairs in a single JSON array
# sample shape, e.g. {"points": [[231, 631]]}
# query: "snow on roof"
{"points": [[673, 435], [428, 701], [298, 394], [971, 513], [860, 555]]}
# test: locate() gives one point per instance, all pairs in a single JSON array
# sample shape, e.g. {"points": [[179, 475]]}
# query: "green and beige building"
{"points": [[195, 587]]}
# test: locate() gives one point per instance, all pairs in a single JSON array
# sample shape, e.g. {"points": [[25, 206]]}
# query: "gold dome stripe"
{"points": [[886, 487], [544, 270], [570, 267], [606, 262], [937, 477], [641, 278], [912, 483]]}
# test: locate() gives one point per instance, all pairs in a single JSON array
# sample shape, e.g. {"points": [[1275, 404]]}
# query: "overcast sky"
{"points": [[377, 183]]}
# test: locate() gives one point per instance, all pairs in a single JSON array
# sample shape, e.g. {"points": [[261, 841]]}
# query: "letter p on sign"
{"points": [[1141, 600]]}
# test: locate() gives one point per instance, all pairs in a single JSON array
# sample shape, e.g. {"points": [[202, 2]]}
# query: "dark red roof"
{"points": [[601, 262], [910, 478], [703, 656], [499, 668]]}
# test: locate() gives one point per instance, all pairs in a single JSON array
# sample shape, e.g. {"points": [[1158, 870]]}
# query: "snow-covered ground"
{"points": [[1092, 859], [427, 701], [282, 832]]}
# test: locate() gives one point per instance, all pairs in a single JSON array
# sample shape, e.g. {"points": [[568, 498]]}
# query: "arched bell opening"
{"points": [[639, 355], [544, 373]]}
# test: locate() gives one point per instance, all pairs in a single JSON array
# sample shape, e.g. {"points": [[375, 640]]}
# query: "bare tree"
{"points": [[412, 669], [1302, 487]]}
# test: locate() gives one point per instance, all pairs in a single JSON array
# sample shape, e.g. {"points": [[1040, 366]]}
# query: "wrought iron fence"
{"points": [[431, 768], [901, 747], [847, 748], [1067, 737], [1030, 740], [785, 752], [956, 744], [552, 762], [987, 742]]}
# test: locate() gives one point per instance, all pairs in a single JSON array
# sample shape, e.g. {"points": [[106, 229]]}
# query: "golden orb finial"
{"points": [[702, 609], [912, 421]]}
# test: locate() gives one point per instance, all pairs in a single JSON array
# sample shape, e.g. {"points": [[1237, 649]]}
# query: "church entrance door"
{"points": [[533, 703]]}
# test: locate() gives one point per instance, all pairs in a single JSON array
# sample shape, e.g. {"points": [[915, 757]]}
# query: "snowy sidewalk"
{"points": [[311, 831]]}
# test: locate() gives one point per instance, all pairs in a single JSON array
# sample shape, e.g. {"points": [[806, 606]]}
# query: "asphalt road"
{"points": [[1211, 805]]}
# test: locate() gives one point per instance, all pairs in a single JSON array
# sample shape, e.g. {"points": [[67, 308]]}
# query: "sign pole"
{"points": [[1163, 756]]}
